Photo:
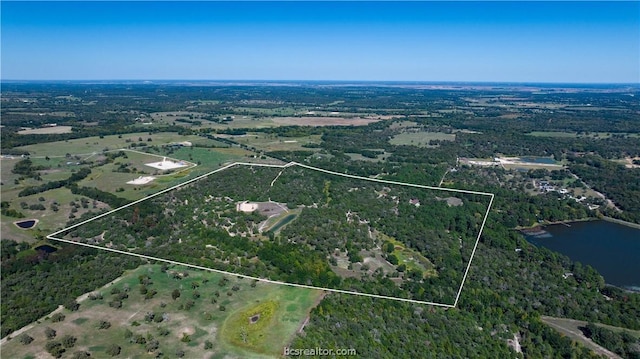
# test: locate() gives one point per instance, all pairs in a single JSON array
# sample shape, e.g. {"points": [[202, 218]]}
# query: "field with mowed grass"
{"points": [[421, 138], [57, 161], [177, 312], [56, 208], [271, 142], [89, 145]]}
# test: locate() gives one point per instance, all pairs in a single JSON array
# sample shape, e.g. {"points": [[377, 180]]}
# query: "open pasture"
{"points": [[61, 159], [268, 142], [170, 309], [420, 138], [89, 145], [59, 204], [359, 157], [324, 121], [198, 120], [45, 130]]}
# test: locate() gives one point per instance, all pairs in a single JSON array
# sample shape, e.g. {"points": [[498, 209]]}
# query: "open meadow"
{"points": [[46, 130], [158, 310], [89, 145], [271, 142], [111, 172], [421, 138]]}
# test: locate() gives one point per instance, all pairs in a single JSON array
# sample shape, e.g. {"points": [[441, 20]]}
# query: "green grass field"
{"points": [[268, 142], [421, 138], [359, 157], [208, 309], [88, 145], [410, 258], [53, 156], [48, 219], [243, 117]]}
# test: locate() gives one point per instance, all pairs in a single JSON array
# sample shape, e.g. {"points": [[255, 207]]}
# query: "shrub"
{"points": [[58, 317], [81, 354], [113, 350], [72, 305], [69, 341], [54, 348], [25, 339], [115, 304], [49, 333]]}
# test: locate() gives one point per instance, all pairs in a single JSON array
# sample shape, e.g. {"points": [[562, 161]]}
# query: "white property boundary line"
{"points": [[464, 277]]}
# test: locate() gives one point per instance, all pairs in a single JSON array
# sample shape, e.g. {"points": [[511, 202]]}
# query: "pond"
{"points": [[283, 222], [542, 160], [26, 224], [46, 248]]}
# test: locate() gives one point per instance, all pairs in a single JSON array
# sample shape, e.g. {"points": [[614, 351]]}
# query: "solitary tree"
{"points": [[81, 354], [58, 317], [54, 348], [69, 341], [175, 294], [25, 339], [72, 305], [49, 333], [113, 350]]}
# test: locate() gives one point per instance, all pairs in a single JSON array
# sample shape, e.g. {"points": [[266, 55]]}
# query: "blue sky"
{"points": [[583, 42]]}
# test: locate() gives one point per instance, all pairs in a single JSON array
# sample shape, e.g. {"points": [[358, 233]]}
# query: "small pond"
{"points": [[542, 160], [27, 223], [46, 248]]}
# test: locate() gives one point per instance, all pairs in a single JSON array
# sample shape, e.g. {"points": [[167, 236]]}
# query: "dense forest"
{"points": [[335, 212], [34, 282]]}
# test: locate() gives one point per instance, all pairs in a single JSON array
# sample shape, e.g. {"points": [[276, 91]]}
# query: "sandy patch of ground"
{"points": [[519, 161], [188, 330], [451, 201], [324, 121], [246, 207], [166, 165], [142, 180], [628, 162]]}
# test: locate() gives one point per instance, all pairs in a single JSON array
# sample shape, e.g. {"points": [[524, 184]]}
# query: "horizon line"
{"points": [[151, 81]]}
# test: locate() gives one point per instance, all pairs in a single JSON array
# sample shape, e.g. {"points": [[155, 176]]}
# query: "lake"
{"points": [[612, 249]]}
